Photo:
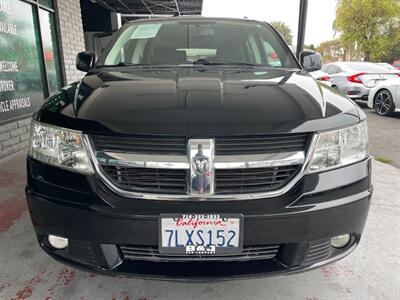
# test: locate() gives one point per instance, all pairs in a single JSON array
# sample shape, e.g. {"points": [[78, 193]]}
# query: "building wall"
{"points": [[72, 39], [14, 136]]}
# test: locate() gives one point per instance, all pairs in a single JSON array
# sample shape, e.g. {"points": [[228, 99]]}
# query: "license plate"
{"points": [[201, 234]]}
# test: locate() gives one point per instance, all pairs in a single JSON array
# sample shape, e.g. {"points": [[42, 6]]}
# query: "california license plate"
{"points": [[201, 234]]}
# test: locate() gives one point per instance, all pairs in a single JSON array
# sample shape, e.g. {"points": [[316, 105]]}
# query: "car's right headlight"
{"points": [[60, 147], [339, 148]]}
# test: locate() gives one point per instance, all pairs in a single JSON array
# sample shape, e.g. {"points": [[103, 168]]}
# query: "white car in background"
{"points": [[321, 76], [356, 79], [385, 97]]}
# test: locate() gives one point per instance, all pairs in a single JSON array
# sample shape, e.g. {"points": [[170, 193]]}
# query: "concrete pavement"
{"points": [[371, 272]]}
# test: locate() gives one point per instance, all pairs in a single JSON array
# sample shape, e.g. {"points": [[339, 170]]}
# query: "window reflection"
{"points": [[51, 55]]}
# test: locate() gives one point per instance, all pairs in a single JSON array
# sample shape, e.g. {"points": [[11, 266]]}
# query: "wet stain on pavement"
{"points": [[27, 290], [7, 179], [11, 210], [336, 270]]}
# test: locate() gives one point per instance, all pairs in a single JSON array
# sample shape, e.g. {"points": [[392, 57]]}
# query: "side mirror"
{"points": [[85, 60], [311, 61]]}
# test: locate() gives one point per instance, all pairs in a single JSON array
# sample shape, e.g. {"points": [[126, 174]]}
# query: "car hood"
{"points": [[198, 101]]}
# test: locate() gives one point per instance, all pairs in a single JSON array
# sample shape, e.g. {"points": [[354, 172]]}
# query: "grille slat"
{"points": [[318, 250], [233, 184], [141, 144], [151, 253], [260, 144], [244, 181], [148, 180]]}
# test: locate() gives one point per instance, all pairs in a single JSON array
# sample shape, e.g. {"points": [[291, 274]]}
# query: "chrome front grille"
{"points": [[153, 167], [151, 253], [224, 145], [176, 181]]}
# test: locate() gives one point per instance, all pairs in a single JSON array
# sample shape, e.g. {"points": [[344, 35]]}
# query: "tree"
{"points": [[394, 52], [310, 47], [284, 30], [369, 26], [331, 51]]}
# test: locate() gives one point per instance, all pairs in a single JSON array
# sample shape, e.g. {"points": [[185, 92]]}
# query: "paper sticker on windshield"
{"points": [[146, 31]]}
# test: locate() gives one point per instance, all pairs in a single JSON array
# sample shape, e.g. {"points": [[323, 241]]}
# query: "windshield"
{"points": [[213, 42]]}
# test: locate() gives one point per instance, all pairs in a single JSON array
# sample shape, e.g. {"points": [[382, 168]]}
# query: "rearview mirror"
{"points": [[85, 61], [311, 61]]}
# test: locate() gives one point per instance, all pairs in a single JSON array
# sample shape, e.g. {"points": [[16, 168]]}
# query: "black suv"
{"points": [[198, 148]]}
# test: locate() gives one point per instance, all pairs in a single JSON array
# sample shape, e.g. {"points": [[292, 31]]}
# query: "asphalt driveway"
{"points": [[371, 272], [384, 135]]}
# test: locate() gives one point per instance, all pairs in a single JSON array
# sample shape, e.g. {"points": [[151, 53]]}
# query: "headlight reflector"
{"points": [[339, 148], [59, 147]]}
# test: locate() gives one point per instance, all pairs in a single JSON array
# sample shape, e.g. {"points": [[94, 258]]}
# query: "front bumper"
{"points": [[97, 223]]}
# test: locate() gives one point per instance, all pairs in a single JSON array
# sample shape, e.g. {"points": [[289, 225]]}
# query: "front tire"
{"points": [[383, 103]]}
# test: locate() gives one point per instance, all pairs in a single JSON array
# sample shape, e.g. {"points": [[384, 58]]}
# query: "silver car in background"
{"points": [[356, 79], [322, 77]]}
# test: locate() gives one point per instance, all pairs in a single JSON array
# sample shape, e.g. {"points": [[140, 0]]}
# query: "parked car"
{"points": [[321, 76], [389, 67], [184, 153], [355, 79], [385, 98]]}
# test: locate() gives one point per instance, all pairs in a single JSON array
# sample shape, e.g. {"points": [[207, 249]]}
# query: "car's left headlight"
{"points": [[339, 148], [59, 147]]}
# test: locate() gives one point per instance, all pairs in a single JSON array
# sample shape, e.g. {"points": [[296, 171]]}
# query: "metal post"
{"points": [[302, 26]]}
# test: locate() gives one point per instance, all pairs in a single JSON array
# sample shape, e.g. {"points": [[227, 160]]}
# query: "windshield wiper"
{"points": [[121, 64], [221, 61]]}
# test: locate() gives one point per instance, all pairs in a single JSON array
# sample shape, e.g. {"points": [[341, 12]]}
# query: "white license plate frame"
{"points": [[233, 222]]}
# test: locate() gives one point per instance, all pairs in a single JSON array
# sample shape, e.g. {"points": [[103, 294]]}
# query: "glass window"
{"points": [[183, 42], [47, 3], [272, 57], [21, 85], [51, 57], [325, 68], [331, 69]]}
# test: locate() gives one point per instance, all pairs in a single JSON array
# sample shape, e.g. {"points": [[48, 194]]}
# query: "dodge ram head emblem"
{"points": [[201, 166], [200, 162]]}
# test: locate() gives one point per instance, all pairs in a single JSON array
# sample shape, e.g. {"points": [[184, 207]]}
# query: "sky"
{"points": [[320, 16]]}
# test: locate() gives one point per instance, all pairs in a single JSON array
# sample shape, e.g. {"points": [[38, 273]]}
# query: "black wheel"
{"points": [[383, 103]]}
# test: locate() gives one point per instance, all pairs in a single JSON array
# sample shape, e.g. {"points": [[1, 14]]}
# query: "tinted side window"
{"points": [[325, 68], [332, 69]]}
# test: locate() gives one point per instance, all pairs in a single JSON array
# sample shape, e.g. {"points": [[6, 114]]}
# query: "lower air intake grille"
{"points": [[253, 180], [148, 180], [150, 253], [317, 251]]}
